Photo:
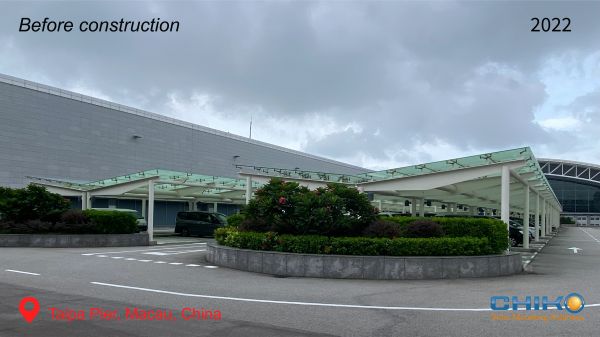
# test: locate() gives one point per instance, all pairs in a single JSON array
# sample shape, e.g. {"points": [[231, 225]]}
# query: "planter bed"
{"points": [[365, 267], [74, 240]]}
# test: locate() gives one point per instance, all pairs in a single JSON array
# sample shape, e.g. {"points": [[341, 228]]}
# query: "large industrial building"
{"points": [[93, 147], [577, 187], [54, 134]]}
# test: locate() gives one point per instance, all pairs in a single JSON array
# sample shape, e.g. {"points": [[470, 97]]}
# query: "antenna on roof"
{"points": [[250, 126]]}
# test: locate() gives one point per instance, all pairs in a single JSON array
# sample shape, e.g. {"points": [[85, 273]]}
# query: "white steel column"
{"points": [[526, 219], [215, 207], [144, 209], [379, 205], [150, 220], [86, 201], [248, 189], [505, 196], [422, 208], [544, 217], [413, 207], [537, 217], [549, 221], [554, 218]]}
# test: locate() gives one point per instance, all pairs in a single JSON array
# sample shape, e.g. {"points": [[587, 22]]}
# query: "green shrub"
{"points": [[565, 220], [235, 220], [493, 229], [221, 233], [303, 244], [288, 208], [423, 229], [315, 244], [32, 202], [111, 222], [41, 227], [74, 217], [382, 229]]}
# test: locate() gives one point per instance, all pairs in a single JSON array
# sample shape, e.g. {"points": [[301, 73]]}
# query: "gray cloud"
{"points": [[460, 73]]}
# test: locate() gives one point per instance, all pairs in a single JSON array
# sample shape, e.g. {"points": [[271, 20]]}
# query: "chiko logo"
{"points": [[572, 303]]}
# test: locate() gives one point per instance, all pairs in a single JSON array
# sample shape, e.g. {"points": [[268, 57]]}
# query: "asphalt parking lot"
{"points": [[174, 276]]}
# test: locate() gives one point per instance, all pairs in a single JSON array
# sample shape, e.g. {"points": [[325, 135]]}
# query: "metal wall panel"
{"points": [[50, 136]]}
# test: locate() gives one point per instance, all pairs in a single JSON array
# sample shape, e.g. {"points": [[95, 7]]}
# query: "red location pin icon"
{"points": [[29, 315]]}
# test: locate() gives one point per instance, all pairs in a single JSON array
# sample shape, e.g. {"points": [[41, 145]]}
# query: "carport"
{"points": [[154, 185], [508, 181]]}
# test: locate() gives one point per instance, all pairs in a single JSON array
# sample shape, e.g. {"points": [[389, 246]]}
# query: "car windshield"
{"points": [[221, 217]]}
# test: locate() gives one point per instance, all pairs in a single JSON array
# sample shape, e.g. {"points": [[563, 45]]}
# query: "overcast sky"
{"points": [[375, 84]]}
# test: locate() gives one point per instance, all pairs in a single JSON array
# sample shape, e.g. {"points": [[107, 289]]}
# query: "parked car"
{"points": [[141, 221], [199, 223], [515, 235], [520, 227]]}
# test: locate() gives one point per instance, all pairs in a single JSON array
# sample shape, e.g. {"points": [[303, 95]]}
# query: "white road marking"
{"points": [[575, 249], [179, 242], [157, 262], [316, 304], [148, 249], [21, 272], [593, 237], [174, 252]]}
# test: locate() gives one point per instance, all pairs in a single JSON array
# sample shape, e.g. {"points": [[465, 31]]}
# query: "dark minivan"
{"points": [[198, 223]]}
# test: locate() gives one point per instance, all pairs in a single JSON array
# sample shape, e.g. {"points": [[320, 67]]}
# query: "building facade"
{"points": [[577, 187], [48, 132]]}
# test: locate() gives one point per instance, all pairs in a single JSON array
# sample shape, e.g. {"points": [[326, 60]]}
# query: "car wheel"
{"points": [[185, 232], [513, 242]]}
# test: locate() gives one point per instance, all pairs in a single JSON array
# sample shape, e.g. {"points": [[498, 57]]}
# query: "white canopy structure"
{"points": [[153, 184], [509, 181]]}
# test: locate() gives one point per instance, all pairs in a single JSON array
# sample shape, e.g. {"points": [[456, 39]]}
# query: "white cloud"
{"points": [[561, 123]]}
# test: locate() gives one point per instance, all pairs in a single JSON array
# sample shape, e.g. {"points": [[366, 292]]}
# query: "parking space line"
{"points": [[172, 247], [590, 235], [21, 272], [157, 262], [175, 252]]}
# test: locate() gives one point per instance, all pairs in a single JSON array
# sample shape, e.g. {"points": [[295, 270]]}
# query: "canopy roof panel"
{"points": [[167, 183], [523, 163]]}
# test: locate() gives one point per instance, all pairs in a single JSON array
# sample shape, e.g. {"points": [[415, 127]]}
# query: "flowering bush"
{"points": [[287, 208]]}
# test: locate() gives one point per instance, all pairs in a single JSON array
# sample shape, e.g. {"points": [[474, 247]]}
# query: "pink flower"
{"points": [[282, 200]]}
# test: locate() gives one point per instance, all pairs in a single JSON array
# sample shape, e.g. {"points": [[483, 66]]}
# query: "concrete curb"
{"points": [[365, 267], [74, 240], [546, 239]]}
